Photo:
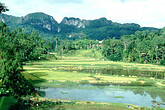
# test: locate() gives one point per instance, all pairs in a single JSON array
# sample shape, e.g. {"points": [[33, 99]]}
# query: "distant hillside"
{"points": [[38, 21], [71, 28]]}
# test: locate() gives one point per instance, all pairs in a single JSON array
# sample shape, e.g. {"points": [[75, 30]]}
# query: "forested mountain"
{"points": [[35, 21], [72, 28]]}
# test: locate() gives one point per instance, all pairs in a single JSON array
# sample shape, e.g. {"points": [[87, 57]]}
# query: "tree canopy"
{"points": [[141, 47], [16, 47], [3, 8]]}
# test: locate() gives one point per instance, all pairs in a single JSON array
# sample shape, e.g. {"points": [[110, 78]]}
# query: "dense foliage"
{"points": [[142, 47], [15, 48], [65, 46]]}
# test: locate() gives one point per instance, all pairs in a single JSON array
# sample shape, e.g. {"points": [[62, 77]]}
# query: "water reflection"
{"points": [[126, 72], [136, 96]]}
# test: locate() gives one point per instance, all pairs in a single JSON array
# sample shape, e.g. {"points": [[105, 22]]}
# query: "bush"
{"points": [[52, 56], [149, 83], [163, 82], [146, 83], [84, 82], [135, 83], [114, 57], [162, 62]]}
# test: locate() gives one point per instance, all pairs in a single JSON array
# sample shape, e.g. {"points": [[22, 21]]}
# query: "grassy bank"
{"points": [[44, 104]]}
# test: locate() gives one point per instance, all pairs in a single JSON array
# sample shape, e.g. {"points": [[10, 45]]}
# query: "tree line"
{"points": [[141, 47]]}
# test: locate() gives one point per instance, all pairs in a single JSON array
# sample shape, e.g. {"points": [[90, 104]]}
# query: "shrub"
{"points": [[84, 82]]}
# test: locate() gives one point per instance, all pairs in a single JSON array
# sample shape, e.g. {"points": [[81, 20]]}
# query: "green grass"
{"points": [[67, 69], [97, 64], [119, 96], [79, 105], [74, 76], [91, 107]]}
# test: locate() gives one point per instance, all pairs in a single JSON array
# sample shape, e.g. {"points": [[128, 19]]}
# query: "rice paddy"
{"points": [[85, 67], [81, 65]]}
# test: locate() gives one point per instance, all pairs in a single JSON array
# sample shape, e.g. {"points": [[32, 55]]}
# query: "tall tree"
{"points": [[56, 40]]}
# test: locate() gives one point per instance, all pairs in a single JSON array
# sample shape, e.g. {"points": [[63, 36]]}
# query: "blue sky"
{"points": [[148, 13]]}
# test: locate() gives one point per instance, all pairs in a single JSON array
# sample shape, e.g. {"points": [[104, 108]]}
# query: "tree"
{"points": [[142, 47], [113, 49], [3, 8], [15, 48], [126, 41], [56, 40]]}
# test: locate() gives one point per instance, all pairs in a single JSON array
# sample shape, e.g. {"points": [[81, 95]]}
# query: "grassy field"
{"points": [[67, 69], [66, 72]]}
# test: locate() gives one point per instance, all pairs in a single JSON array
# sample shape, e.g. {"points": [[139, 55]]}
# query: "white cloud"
{"points": [[143, 12]]}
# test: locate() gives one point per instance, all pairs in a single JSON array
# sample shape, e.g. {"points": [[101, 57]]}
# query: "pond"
{"points": [[141, 96]]}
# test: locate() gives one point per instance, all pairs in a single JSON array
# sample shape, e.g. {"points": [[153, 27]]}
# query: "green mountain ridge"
{"points": [[72, 28]]}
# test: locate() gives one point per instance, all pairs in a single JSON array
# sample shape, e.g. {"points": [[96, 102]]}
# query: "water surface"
{"points": [[136, 96]]}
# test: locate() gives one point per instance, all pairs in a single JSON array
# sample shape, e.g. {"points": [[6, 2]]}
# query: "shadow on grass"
{"points": [[35, 82], [38, 74], [37, 86]]}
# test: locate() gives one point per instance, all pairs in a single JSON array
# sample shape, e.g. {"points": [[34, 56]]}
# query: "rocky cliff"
{"points": [[73, 21], [86, 23]]}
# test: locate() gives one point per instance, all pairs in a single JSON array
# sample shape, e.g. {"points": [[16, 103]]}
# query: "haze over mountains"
{"points": [[71, 28]]}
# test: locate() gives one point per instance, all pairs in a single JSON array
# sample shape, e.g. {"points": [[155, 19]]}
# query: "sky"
{"points": [[147, 13]]}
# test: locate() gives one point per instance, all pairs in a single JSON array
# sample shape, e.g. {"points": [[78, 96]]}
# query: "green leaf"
{"points": [[6, 102]]}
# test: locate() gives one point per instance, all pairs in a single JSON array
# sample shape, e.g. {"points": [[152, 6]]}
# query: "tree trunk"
{"points": [[139, 57], [56, 47], [156, 54]]}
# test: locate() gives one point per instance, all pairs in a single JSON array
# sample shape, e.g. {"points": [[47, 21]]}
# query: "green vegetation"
{"points": [[65, 74], [48, 27], [119, 96], [6, 102], [82, 69], [142, 47], [27, 62], [16, 47], [44, 104]]}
